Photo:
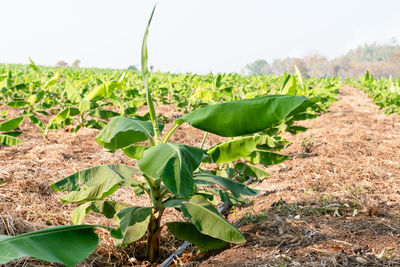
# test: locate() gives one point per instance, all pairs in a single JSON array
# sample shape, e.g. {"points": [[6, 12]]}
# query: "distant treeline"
{"points": [[381, 60]]}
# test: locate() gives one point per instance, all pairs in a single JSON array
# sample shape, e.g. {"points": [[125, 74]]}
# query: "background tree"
{"points": [[258, 67], [132, 67], [317, 65], [381, 60], [61, 63], [76, 63]]}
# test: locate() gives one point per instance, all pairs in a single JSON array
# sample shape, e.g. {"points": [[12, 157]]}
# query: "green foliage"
{"points": [[133, 222], [174, 164], [265, 158], [122, 132], [289, 86], [188, 231], [78, 98], [67, 245], [236, 188], [96, 183], [236, 118], [385, 92], [108, 208], [8, 137], [202, 213], [232, 150]]}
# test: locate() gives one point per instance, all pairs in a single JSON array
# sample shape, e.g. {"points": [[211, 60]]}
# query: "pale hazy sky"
{"points": [[187, 35]]}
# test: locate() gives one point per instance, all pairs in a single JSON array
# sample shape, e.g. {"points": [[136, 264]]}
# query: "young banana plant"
{"points": [[170, 171], [169, 174]]}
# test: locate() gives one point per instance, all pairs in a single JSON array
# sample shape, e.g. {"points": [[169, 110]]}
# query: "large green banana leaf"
{"points": [[121, 132], [208, 221], [133, 223], [135, 151], [236, 118], [250, 170], [232, 150], [67, 245], [289, 86], [144, 55], [18, 104], [98, 92], [188, 232], [63, 118], [304, 106], [103, 90], [35, 98], [73, 94], [96, 183], [106, 207], [266, 158], [300, 78], [11, 124], [174, 164], [236, 188], [52, 81], [8, 140]]}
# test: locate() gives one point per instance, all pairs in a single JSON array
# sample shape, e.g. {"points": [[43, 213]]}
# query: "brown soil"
{"points": [[336, 203]]}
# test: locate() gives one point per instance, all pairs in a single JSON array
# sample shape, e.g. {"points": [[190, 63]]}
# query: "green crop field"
{"points": [[90, 97], [254, 119]]}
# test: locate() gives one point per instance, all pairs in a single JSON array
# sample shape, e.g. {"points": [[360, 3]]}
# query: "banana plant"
{"points": [[170, 174]]}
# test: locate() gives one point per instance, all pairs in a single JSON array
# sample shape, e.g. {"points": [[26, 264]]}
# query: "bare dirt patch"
{"points": [[336, 203]]}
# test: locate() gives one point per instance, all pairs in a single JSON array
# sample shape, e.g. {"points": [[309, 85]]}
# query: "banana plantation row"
{"points": [[53, 98], [384, 91]]}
